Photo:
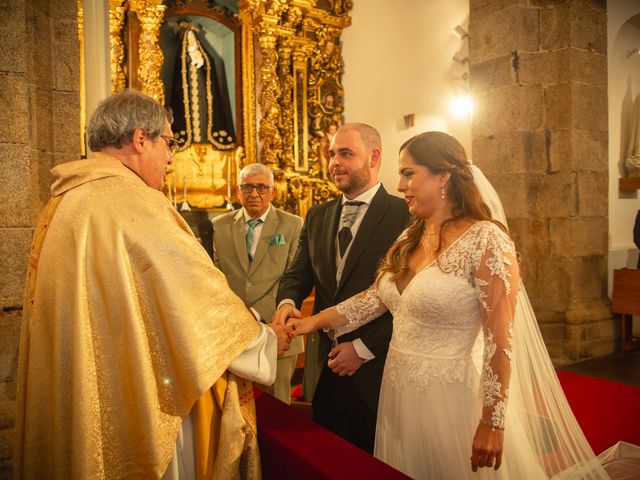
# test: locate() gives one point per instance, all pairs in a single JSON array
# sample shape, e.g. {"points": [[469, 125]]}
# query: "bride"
{"points": [[468, 382]]}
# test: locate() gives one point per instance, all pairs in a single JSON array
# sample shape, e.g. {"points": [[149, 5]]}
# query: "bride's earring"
{"points": [[442, 192]]}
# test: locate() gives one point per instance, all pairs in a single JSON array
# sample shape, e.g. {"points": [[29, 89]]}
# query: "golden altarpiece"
{"points": [[247, 80]]}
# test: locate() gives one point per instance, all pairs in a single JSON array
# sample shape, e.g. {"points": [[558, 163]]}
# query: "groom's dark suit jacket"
{"points": [[314, 266]]}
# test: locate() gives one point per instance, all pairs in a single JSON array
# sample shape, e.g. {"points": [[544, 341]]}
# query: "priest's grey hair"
{"points": [[118, 116], [255, 169]]}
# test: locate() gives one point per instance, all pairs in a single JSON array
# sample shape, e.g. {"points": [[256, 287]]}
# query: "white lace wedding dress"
{"points": [[449, 362]]}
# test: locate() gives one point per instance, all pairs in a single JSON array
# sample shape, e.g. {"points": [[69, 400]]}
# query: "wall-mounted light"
{"points": [[461, 58], [633, 51], [460, 32], [462, 106]]}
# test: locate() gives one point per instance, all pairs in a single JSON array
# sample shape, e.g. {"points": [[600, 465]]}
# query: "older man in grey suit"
{"points": [[253, 247]]}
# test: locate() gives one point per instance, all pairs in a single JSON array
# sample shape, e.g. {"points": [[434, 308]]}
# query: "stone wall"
{"points": [[40, 118], [538, 72]]}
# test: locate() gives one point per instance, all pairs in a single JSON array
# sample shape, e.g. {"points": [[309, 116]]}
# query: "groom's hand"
{"points": [[284, 312], [344, 359]]}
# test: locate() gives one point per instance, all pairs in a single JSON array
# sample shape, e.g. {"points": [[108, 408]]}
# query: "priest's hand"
{"points": [[282, 334], [285, 312], [344, 359]]}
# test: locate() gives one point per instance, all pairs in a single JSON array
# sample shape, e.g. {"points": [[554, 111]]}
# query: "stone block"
{"points": [[552, 333], [587, 66], [578, 237], [549, 293], [44, 162], [513, 152], [589, 107], [42, 118], [9, 341], [66, 56], [580, 24], [553, 196], [40, 39], [590, 312], [500, 33], [13, 34], [602, 330], [576, 105], [557, 106], [14, 109], [66, 123], [507, 109], [531, 237], [555, 32], [593, 194], [483, 8], [545, 3], [560, 150], [576, 149], [575, 333], [543, 68], [7, 414], [490, 74], [596, 348], [6, 444], [512, 188], [14, 250], [589, 149], [65, 9], [561, 66], [15, 194], [588, 27], [589, 278]]}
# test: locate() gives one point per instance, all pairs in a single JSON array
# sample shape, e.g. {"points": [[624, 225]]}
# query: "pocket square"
{"points": [[277, 239]]}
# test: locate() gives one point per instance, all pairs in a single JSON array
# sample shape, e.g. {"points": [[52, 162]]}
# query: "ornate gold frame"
{"points": [[292, 50]]}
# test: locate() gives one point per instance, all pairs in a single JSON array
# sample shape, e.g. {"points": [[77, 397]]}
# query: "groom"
{"points": [[341, 244]]}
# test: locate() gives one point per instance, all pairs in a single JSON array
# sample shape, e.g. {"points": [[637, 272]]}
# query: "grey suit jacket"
{"points": [[256, 283]]}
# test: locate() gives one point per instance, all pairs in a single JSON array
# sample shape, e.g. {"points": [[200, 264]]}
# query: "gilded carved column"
{"points": [[116, 22], [285, 74], [248, 80], [269, 132], [150, 14]]}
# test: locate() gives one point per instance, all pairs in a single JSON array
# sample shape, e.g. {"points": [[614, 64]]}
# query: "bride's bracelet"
{"points": [[491, 425]]}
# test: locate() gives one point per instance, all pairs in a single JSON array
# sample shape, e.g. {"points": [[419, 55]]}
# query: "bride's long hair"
{"points": [[440, 153]]}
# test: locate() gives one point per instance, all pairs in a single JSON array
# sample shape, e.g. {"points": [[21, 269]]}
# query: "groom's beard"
{"points": [[355, 182]]}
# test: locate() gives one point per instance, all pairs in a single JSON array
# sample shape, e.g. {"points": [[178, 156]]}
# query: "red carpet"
{"points": [[606, 411]]}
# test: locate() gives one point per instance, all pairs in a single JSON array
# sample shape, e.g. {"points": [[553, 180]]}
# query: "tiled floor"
{"points": [[617, 367]]}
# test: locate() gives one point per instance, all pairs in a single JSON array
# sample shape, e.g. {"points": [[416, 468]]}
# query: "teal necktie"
{"points": [[253, 223]]}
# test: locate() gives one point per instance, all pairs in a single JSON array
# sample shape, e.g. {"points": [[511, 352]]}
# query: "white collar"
{"points": [[365, 197], [262, 217]]}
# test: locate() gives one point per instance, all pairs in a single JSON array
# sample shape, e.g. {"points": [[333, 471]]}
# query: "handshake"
{"points": [[287, 323]]}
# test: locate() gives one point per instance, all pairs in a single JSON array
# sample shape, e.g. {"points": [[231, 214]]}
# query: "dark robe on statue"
{"points": [[199, 96]]}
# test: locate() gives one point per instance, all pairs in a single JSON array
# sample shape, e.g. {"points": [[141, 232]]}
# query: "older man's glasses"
{"points": [[172, 143], [261, 188]]}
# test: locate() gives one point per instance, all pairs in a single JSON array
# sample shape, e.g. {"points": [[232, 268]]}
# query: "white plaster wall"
{"points": [[624, 87], [397, 59]]}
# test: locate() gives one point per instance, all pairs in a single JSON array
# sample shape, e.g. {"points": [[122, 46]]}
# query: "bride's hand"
{"points": [[301, 326], [486, 450]]}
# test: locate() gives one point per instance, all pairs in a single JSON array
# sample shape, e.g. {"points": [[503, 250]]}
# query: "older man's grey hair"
{"points": [[118, 116], [255, 169]]}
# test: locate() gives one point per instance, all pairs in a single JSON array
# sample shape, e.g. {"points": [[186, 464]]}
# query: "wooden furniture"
{"points": [[629, 184], [626, 303]]}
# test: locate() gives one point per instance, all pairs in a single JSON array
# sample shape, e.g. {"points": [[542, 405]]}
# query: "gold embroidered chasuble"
{"points": [[126, 325]]}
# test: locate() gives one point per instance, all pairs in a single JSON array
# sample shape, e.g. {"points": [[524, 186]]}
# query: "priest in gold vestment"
{"points": [[134, 351]]}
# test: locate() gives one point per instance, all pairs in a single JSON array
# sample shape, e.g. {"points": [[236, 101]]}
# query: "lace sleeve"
{"points": [[360, 309], [497, 280]]}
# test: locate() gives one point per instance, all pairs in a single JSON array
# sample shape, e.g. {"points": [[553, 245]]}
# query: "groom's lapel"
{"points": [[329, 233]]}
